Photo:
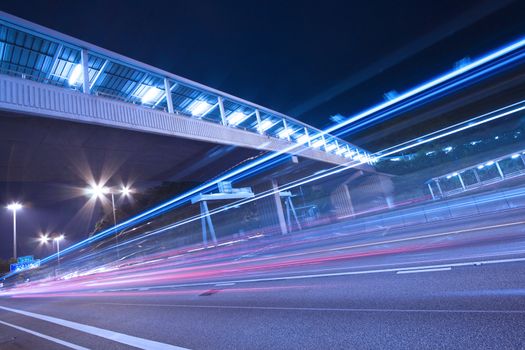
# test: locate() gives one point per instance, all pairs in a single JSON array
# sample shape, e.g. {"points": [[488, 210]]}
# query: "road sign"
{"points": [[25, 263], [25, 259]]}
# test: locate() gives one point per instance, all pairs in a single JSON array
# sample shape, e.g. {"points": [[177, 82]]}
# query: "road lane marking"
{"points": [[424, 270], [47, 337], [100, 332], [284, 308]]}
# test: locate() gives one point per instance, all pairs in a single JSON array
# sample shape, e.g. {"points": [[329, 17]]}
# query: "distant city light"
{"points": [[430, 153], [448, 149], [236, 118], [76, 75], [151, 94], [395, 159], [198, 108], [496, 137]]}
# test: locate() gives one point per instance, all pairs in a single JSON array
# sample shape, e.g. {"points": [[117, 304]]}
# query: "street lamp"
{"points": [[98, 191], [14, 207], [44, 239]]}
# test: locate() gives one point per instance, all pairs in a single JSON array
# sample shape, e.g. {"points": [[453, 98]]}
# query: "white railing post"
{"points": [[221, 110], [84, 60], [167, 91], [258, 116]]}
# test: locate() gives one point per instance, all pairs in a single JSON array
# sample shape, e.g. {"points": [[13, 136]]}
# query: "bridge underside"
{"points": [[35, 149]]}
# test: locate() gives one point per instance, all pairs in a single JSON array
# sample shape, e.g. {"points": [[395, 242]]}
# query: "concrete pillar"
{"points": [[279, 208], [342, 201]]}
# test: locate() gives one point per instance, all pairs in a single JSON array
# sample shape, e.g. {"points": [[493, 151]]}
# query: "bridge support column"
{"points": [[342, 201], [270, 209], [279, 207], [206, 219]]}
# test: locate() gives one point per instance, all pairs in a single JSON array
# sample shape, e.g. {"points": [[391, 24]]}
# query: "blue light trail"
{"points": [[426, 87]]}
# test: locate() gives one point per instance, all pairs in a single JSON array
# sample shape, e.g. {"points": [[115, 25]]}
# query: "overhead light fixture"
{"points": [[285, 133], [318, 143], [340, 151], [330, 147], [76, 75], [265, 125], [236, 118], [198, 108], [151, 94], [303, 139], [489, 163]]}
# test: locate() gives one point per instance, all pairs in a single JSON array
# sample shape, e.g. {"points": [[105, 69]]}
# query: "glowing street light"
{"points": [[14, 207], [98, 191], [44, 239], [57, 241]]}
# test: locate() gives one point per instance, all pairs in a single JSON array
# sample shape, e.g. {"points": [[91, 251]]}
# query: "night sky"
{"points": [[284, 54]]}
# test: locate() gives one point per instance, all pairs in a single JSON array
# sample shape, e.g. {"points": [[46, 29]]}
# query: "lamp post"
{"points": [[98, 191], [44, 239], [57, 241], [14, 207]]}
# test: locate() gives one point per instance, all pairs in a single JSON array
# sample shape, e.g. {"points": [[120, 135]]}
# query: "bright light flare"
{"points": [[126, 190], [97, 191], [44, 239], [199, 108], [14, 206]]}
